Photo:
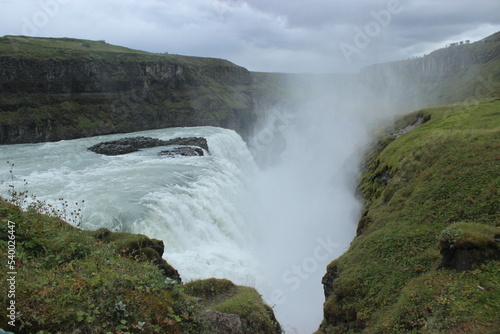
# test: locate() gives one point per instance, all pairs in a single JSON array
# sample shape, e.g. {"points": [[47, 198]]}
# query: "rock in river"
{"points": [[191, 146]]}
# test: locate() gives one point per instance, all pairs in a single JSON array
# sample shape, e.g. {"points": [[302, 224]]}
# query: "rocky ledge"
{"points": [[191, 146]]}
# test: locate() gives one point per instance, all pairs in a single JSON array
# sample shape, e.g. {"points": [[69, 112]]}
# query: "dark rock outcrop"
{"points": [[189, 141], [191, 146], [185, 151], [223, 323], [363, 223], [126, 145], [467, 258], [400, 132], [327, 281]]}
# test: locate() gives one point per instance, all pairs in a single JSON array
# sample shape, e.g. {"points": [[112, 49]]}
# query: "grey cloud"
{"points": [[270, 35]]}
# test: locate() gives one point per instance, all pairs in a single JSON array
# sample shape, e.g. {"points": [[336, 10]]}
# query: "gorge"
{"points": [[270, 205]]}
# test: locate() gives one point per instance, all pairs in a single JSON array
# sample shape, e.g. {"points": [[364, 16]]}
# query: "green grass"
{"points": [[63, 49], [420, 189], [68, 280], [58, 49]]}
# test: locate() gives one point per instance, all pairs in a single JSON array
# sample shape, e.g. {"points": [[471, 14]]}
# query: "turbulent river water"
{"points": [[219, 215]]}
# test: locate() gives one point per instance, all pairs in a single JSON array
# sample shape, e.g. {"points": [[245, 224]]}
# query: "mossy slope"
{"points": [[433, 189], [74, 281]]}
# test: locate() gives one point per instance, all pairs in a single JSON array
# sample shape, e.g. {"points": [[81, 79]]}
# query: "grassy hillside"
{"points": [[74, 281], [45, 49], [426, 258]]}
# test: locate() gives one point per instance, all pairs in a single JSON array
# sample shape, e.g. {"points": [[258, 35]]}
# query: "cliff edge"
{"points": [[62, 88], [467, 71]]}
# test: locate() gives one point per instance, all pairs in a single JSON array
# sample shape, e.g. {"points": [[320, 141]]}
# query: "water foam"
{"points": [[193, 204]]}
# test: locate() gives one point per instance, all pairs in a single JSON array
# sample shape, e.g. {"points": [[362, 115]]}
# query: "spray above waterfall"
{"points": [[274, 227]]}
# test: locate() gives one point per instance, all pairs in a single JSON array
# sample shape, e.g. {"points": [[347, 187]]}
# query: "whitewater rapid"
{"points": [[193, 204]]}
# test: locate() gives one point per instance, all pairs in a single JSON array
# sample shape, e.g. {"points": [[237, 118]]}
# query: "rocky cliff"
{"points": [[52, 89], [448, 75]]}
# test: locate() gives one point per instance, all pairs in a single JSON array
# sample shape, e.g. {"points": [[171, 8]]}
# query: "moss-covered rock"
{"points": [[465, 246], [138, 247], [223, 296], [211, 290]]}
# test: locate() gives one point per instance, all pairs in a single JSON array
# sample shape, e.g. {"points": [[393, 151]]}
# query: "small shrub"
{"points": [[450, 236]]}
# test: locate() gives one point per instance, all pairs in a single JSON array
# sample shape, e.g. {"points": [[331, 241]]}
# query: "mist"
{"points": [[304, 209]]}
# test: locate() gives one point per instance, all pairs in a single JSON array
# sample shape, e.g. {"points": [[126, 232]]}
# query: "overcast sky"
{"points": [[263, 35]]}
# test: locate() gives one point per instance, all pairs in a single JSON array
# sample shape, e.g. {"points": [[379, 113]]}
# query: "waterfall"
{"points": [[219, 215], [193, 204]]}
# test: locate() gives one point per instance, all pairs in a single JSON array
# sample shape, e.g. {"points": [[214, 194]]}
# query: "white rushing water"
{"points": [[219, 215], [191, 203], [305, 213]]}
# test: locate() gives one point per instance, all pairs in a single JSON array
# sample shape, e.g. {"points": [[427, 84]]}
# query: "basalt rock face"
{"points": [[67, 88], [448, 75]]}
